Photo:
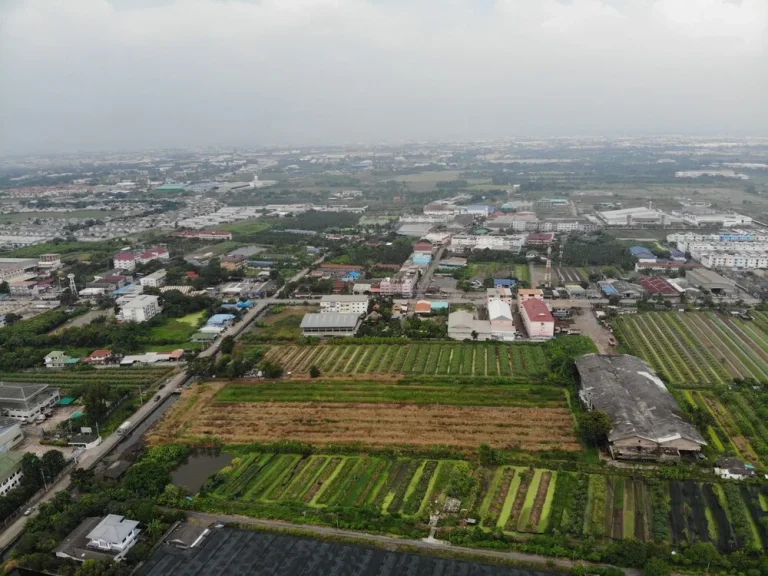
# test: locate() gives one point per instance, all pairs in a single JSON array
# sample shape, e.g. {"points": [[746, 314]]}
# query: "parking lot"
{"points": [[33, 432]]}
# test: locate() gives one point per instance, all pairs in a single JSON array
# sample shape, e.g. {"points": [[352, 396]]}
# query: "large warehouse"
{"points": [[647, 421], [330, 324]]}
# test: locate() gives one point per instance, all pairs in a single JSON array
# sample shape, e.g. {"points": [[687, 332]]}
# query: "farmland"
{"points": [[375, 415], [450, 358], [698, 349], [124, 377], [514, 499]]}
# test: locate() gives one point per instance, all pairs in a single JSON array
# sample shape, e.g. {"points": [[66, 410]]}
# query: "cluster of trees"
{"points": [[145, 484], [35, 472], [395, 252], [596, 250], [414, 328], [233, 363]]}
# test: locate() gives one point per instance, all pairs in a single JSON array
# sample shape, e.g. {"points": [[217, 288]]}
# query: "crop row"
{"points": [[513, 499], [416, 359]]}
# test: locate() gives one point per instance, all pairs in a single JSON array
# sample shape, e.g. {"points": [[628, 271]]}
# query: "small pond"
{"points": [[193, 473]]}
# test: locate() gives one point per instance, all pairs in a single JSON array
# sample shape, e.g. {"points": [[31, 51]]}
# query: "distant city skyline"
{"points": [[132, 75]]}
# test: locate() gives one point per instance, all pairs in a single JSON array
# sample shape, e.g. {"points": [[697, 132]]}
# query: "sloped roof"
{"points": [[537, 311], [113, 528], [498, 309], [331, 320], [627, 389]]}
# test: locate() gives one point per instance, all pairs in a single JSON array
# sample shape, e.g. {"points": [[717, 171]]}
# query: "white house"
{"points": [[731, 468], [56, 359], [107, 538], [140, 309]]}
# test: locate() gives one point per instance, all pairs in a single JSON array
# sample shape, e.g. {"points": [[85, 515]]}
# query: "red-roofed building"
{"points": [[339, 270], [125, 260], [540, 238], [658, 285], [99, 357], [176, 355], [423, 248], [538, 320], [423, 307], [192, 275], [153, 254]]}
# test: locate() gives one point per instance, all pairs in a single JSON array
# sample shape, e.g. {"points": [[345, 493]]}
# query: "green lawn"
{"points": [[175, 331], [192, 319]]}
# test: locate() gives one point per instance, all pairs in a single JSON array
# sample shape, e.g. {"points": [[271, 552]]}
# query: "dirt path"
{"points": [[392, 542]]}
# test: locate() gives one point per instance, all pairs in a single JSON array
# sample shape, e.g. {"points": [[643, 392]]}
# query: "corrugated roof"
{"points": [[637, 401], [498, 309], [537, 311], [330, 320]]}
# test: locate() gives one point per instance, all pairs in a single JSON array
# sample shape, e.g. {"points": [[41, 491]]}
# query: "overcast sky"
{"points": [[116, 74]]}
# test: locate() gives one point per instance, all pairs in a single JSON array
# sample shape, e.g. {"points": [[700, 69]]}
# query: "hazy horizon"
{"points": [[127, 75]]}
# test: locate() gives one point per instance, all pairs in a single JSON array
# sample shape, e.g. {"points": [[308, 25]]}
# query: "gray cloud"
{"points": [[92, 74]]}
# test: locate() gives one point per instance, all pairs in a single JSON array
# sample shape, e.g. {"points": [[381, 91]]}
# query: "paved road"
{"points": [[92, 456], [389, 540], [427, 278]]}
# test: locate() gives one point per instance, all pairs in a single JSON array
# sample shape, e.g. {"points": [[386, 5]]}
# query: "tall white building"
{"points": [[140, 309]]}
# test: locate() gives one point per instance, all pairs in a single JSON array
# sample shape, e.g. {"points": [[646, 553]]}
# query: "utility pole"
{"points": [[45, 484]]}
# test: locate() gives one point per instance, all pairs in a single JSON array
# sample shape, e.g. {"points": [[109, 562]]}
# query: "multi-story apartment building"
{"points": [[399, 285], [344, 304], [140, 309]]}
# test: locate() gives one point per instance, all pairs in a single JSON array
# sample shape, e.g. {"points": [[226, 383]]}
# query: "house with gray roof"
{"points": [[107, 538], [647, 422]]}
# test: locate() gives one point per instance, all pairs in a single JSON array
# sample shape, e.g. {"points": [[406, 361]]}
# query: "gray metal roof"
{"points": [[20, 391], [637, 401], [332, 320], [344, 298]]}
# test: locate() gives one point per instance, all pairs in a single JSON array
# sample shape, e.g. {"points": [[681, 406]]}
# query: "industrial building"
{"points": [[342, 304], [537, 319], [26, 401], [500, 313], [462, 325], [647, 421], [511, 243], [330, 324], [713, 282], [637, 217]]}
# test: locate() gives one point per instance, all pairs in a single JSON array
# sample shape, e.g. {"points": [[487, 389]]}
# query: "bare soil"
{"points": [[196, 415]]}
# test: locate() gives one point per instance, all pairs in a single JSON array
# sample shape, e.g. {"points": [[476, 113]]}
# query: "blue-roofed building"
{"points": [[220, 320], [607, 289], [480, 209], [439, 305], [422, 259], [351, 276], [677, 255], [261, 263], [640, 251], [504, 282], [244, 305]]}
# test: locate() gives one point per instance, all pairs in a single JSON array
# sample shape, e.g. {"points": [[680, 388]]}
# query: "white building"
{"points": [[25, 401], [11, 434], [154, 280], [140, 309], [742, 260], [727, 220], [399, 285], [343, 304], [124, 260], [499, 313], [100, 538], [461, 242], [10, 471], [637, 216], [498, 293]]}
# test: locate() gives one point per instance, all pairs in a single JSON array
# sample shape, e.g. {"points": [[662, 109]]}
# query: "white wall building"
{"points": [[154, 280], [11, 434], [26, 401], [124, 261], [140, 309], [462, 242], [343, 304], [399, 285], [10, 471]]}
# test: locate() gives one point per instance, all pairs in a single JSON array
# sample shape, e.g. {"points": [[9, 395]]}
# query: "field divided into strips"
{"points": [[128, 377], [515, 499], [698, 349], [739, 420], [429, 359]]}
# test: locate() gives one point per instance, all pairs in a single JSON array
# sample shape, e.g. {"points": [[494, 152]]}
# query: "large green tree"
{"points": [[594, 427]]}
